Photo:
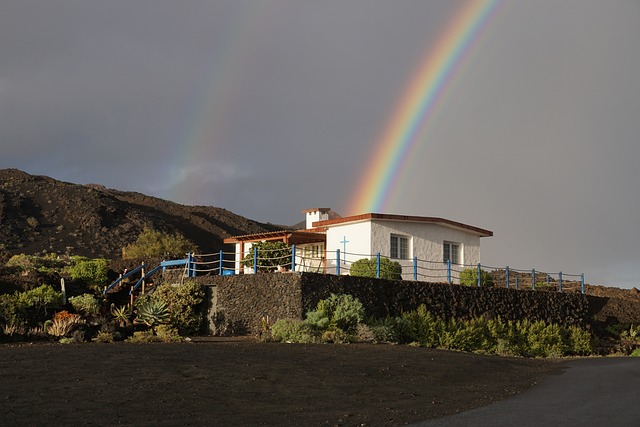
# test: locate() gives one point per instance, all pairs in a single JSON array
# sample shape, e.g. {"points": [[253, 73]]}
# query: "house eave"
{"points": [[289, 237], [405, 218]]}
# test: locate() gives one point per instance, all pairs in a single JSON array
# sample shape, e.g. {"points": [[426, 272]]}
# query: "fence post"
{"points": [[449, 271], [415, 268], [506, 273], [293, 257], [582, 280], [188, 264], [221, 269], [337, 262], [255, 260], [194, 265], [479, 275], [533, 279], [378, 265], [560, 281]]}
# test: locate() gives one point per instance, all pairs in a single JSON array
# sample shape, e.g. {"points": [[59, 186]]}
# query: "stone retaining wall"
{"points": [[238, 303]]}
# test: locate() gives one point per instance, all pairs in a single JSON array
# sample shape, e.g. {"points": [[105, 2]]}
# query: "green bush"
{"points": [[184, 303], [13, 310], [338, 311], [48, 264], [103, 337], [294, 331], [39, 303], [494, 336], [143, 337], [581, 343], [168, 333], [388, 330], [90, 271], [420, 326], [469, 277], [85, 304], [152, 243], [391, 270], [270, 255], [463, 336]]}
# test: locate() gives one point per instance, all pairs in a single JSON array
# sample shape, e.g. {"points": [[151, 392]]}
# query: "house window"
{"points": [[399, 247], [313, 251], [451, 252]]}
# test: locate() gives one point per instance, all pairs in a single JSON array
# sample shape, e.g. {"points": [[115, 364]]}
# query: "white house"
{"points": [[422, 245]]}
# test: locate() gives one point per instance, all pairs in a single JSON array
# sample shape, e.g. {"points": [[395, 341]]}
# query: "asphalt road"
{"points": [[591, 392]]}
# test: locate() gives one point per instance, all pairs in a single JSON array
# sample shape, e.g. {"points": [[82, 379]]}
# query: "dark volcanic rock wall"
{"points": [[390, 298], [241, 301]]}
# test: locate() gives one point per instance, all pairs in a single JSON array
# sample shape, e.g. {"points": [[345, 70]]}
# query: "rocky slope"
{"points": [[39, 214]]}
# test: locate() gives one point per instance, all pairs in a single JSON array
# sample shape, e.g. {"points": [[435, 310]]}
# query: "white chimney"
{"points": [[314, 215]]}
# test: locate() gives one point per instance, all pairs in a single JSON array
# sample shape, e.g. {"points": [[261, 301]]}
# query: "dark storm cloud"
{"points": [[269, 107]]}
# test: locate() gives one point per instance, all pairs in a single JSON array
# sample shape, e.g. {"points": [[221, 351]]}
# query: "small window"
{"points": [[451, 252], [399, 247]]}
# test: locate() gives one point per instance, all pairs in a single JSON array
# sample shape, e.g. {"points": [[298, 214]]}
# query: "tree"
{"points": [[152, 243], [469, 277], [270, 255], [391, 270]]}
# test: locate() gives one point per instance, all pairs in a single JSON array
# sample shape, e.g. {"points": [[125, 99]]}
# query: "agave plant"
{"points": [[121, 315], [152, 313]]}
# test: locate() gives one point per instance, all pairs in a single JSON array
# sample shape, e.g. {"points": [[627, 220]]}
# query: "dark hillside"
{"points": [[38, 213]]}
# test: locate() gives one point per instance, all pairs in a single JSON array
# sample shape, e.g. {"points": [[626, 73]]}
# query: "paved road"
{"points": [[591, 392]]}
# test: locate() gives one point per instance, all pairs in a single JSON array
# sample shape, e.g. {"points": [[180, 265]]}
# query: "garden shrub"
{"points": [[270, 255], [338, 311], [85, 304], [387, 330], [38, 304], [421, 326], [168, 333], [103, 337], [13, 311], [469, 277], [294, 331], [337, 336], [364, 333], [141, 337], [390, 270], [581, 343], [93, 272], [494, 336], [47, 264], [184, 303]]}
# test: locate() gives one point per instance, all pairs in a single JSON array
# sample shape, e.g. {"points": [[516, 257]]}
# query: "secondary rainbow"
{"points": [[417, 105]]}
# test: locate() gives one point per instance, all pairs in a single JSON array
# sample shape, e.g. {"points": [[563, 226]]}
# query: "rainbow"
{"points": [[418, 104]]}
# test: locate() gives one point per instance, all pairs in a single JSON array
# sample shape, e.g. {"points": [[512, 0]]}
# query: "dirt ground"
{"points": [[243, 382]]}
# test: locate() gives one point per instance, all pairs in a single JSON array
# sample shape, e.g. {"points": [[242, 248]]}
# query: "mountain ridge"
{"points": [[41, 214]]}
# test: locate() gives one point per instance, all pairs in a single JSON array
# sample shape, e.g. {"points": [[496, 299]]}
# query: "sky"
{"points": [[269, 107]]}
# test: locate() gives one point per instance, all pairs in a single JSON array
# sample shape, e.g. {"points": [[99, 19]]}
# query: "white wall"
{"points": [[426, 244], [359, 244], [367, 238]]}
